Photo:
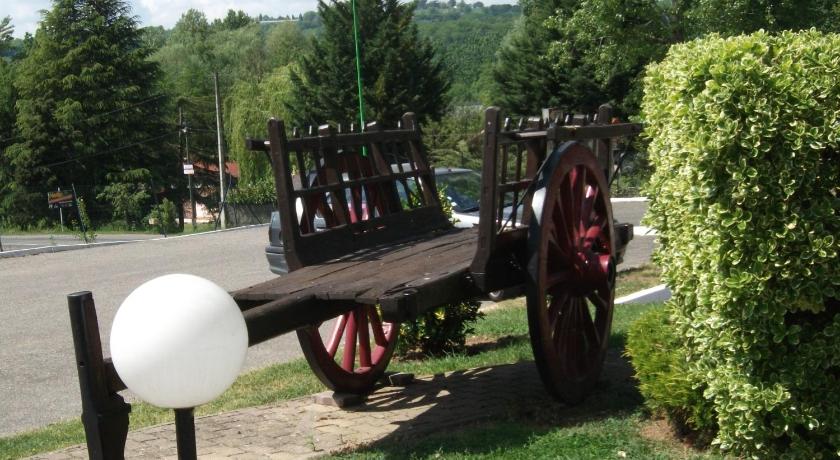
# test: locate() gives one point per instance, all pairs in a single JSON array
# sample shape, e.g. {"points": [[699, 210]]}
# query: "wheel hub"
{"points": [[591, 271]]}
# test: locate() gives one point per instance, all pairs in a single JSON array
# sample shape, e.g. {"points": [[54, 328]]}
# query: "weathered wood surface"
{"points": [[405, 268], [354, 183]]}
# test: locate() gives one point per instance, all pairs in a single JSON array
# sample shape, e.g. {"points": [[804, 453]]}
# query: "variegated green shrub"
{"points": [[744, 143]]}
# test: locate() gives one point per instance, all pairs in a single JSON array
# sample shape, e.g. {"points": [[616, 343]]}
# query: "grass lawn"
{"points": [[636, 279], [500, 337]]}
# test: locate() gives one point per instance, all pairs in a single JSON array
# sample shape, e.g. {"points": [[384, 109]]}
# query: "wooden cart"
{"points": [[388, 252]]}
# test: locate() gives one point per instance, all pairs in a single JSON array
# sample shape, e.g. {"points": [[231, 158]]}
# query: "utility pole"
{"points": [[186, 132], [222, 219]]}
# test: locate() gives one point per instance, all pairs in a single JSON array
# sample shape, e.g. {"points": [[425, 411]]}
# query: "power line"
{"points": [[153, 98], [94, 155]]}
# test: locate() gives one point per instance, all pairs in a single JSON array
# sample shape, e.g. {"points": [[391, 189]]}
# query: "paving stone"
{"points": [[340, 400], [400, 379], [307, 428]]}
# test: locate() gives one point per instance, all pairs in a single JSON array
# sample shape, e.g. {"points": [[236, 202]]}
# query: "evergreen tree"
{"points": [[577, 54], [400, 72], [525, 79], [6, 31], [88, 112]]}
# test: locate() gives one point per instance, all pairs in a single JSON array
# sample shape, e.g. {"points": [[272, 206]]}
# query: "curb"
{"points": [[645, 295], [641, 230], [73, 247]]}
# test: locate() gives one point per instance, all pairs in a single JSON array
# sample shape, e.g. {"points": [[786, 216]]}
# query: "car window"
{"points": [[462, 188]]}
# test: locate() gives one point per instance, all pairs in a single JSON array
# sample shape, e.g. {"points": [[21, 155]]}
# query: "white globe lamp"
{"points": [[178, 341]]}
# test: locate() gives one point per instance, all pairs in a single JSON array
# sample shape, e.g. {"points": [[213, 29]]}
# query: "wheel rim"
{"points": [[572, 273], [356, 353]]}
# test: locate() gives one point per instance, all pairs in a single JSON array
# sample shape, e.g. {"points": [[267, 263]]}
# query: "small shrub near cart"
{"points": [[659, 357], [745, 146], [440, 331]]}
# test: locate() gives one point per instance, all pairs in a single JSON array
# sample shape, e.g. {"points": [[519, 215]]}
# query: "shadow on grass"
{"points": [[496, 344], [510, 396]]}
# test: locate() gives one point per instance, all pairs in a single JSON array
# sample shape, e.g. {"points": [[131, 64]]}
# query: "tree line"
{"points": [[95, 101]]}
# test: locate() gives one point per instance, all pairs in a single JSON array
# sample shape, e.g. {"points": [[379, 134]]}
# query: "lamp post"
{"points": [[179, 341]]}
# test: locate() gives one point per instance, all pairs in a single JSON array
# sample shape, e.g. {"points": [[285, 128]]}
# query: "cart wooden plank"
{"points": [[367, 275]]}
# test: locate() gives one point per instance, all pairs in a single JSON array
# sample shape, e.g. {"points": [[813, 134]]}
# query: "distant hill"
{"points": [[467, 38]]}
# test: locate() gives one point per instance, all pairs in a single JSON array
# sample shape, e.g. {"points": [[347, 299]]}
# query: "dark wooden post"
{"points": [[489, 198], [603, 146], [104, 412], [290, 229]]}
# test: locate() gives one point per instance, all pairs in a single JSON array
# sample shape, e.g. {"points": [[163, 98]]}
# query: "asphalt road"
{"points": [[38, 381]]}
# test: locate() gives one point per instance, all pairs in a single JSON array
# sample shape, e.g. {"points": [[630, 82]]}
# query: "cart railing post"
{"points": [[104, 412], [489, 197]]}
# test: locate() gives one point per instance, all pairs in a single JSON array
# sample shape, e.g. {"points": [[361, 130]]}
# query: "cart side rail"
{"points": [[513, 155], [339, 193]]}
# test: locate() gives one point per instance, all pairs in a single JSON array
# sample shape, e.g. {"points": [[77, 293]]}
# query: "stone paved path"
{"points": [[301, 428]]}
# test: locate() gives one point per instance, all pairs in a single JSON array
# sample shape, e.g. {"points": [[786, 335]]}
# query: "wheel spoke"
{"points": [[561, 335], [570, 335], [555, 310], [586, 208], [349, 359], [378, 329], [570, 207], [600, 221], [336, 335], [579, 193], [597, 301], [364, 337], [556, 278], [555, 247], [588, 325], [561, 222]]}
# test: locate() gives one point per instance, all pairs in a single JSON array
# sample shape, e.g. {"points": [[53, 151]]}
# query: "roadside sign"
{"points": [[188, 169], [60, 199]]}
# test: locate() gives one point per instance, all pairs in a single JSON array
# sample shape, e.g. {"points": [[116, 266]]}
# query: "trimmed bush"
{"points": [[658, 356], [744, 144]]}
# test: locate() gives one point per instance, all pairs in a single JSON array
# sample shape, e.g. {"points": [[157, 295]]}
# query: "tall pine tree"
{"points": [[88, 111], [526, 79], [400, 72]]}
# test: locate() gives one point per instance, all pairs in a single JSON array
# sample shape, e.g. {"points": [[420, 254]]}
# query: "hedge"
{"points": [[744, 145]]}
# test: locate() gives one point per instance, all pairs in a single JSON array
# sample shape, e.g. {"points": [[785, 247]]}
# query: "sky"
{"points": [[26, 13]]}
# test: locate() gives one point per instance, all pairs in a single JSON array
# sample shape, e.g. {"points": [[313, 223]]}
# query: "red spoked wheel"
{"points": [[357, 352], [571, 272]]}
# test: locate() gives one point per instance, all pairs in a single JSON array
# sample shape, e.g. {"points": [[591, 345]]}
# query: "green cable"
{"points": [[358, 70]]}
